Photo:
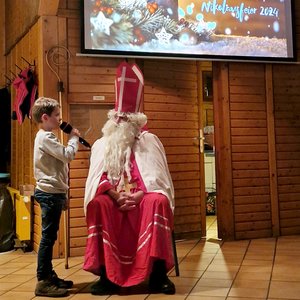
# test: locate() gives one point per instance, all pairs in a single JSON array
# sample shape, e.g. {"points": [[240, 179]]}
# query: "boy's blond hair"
{"points": [[42, 106]]}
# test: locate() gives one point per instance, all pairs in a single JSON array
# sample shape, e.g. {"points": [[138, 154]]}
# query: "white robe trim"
{"points": [[151, 161]]}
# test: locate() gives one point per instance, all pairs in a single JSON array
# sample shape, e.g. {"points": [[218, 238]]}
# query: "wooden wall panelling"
{"points": [[78, 172], [89, 118], [22, 136], [88, 76], [21, 164], [19, 20], [287, 130], [171, 104], [10, 59], [224, 180], [248, 94], [26, 151]]}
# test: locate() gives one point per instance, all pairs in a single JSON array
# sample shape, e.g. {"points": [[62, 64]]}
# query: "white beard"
{"points": [[120, 138]]}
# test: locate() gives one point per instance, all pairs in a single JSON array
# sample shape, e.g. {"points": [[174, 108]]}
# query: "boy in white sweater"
{"points": [[51, 160]]}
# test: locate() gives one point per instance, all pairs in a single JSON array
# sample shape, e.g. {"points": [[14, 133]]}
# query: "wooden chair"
{"points": [[176, 265]]}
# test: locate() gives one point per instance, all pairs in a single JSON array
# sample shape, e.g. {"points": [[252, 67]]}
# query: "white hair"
{"points": [[120, 132]]}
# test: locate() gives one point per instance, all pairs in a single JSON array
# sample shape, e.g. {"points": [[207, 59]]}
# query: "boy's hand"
{"points": [[75, 132]]}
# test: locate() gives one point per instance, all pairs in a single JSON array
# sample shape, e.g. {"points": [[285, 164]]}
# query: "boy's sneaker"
{"points": [[61, 283], [46, 288]]}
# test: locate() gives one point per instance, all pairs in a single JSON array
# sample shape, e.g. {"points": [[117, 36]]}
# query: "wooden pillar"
{"points": [[272, 151], [223, 151], [52, 33]]}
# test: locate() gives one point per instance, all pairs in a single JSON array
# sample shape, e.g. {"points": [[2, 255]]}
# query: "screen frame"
{"points": [[178, 56]]}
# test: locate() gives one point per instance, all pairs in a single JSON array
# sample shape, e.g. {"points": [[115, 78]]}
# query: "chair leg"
{"points": [[175, 254]]}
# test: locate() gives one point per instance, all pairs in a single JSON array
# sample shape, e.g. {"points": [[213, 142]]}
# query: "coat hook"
{"points": [[13, 74], [28, 62], [8, 78], [18, 67]]}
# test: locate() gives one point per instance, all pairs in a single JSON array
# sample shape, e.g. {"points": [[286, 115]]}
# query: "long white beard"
{"points": [[120, 138]]}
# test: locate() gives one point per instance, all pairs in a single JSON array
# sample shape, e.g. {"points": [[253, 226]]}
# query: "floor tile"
{"points": [[28, 286], [287, 259], [256, 269], [223, 268], [166, 297], [205, 298], [8, 270], [220, 283], [251, 275], [209, 291], [219, 275], [17, 295], [254, 293], [129, 297], [246, 283], [257, 262], [284, 290], [245, 298], [16, 278], [88, 297], [188, 273], [286, 273], [268, 256], [7, 286]]}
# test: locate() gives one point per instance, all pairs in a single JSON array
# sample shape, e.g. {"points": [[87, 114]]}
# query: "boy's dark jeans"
{"points": [[51, 206]]}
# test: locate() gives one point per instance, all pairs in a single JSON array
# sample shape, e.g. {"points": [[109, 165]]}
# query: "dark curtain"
{"points": [[5, 126]]}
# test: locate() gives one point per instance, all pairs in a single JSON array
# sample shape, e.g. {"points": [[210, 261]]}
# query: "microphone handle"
{"points": [[84, 142]]}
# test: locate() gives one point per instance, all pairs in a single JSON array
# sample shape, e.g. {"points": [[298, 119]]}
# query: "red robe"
{"points": [[128, 243]]}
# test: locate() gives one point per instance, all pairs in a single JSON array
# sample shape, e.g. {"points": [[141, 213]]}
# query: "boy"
{"points": [[51, 160]]}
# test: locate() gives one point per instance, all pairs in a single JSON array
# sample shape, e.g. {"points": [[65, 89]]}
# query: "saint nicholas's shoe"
{"points": [[161, 284], [104, 287]]}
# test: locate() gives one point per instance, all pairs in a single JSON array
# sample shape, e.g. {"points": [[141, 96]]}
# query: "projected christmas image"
{"points": [[255, 28]]}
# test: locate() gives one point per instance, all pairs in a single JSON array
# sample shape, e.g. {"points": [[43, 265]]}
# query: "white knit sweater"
{"points": [[51, 160]]}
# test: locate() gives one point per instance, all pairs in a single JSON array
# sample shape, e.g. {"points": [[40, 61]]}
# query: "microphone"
{"points": [[67, 128]]}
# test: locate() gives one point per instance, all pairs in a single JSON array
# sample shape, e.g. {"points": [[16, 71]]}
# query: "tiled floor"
{"points": [[209, 269]]}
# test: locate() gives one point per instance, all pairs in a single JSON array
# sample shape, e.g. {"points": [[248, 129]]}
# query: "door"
{"points": [[207, 150]]}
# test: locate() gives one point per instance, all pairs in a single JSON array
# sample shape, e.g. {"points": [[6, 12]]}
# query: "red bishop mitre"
{"points": [[129, 85]]}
